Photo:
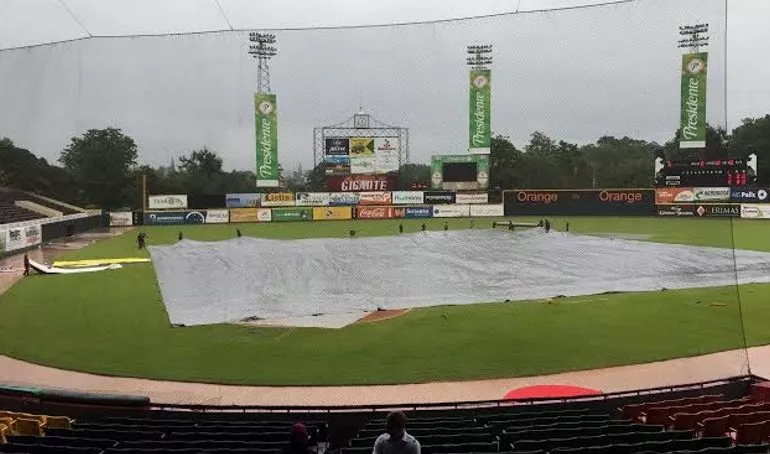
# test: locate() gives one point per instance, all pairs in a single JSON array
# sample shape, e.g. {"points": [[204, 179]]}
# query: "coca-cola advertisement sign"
{"points": [[361, 183], [378, 212]]}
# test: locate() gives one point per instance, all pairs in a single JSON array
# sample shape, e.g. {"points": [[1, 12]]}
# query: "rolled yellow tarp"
{"points": [[97, 262]]}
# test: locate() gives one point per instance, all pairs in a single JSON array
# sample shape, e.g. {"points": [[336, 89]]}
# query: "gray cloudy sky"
{"points": [[575, 74]]}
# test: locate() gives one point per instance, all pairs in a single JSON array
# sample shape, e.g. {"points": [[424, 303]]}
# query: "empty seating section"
{"points": [[10, 212]]}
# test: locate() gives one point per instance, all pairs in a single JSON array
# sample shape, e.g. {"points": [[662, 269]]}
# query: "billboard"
{"points": [[676, 210], [378, 212], [312, 199], [755, 211], [705, 195], [386, 153], [332, 213], [356, 183], [167, 202], [665, 196], [480, 111], [243, 200], [407, 198], [361, 146], [451, 211], [121, 219], [175, 217], [460, 172], [418, 212], [292, 214], [344, 199], [749, 195], [693, 111], [278, 199], [243, 215], [217, 216], [337, 165], [488, 211], [478, 198], [438, 197], [336, 146], [718, 210], [15, 239], [375, 198], [263, 215], [266, 122], [590, 202], [362, 164]]}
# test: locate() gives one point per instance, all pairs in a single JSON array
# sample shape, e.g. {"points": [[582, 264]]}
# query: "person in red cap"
{"points": [[298, 441]]}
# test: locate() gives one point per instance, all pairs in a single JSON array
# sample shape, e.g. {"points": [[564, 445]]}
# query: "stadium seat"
{"points": [[27, 426], [634, 411], [753, 433], [58, 422]]}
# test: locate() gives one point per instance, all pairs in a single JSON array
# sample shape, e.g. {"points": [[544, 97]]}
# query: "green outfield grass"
{"points": [[115, 323]]}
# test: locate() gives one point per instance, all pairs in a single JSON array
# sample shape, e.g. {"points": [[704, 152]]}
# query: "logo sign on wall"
{"points": [[480, 107], [375, 198], [693, 125], [674, 195], [243, 200], [407, 197], [439, 197], [122, 219], [217, 217], [362, 164], [337, 146], [471, 198], [244, 214], [310, 199], [332, 213], [266, 120], [14, 239], [278, 199], [167, 202], [343, 199], [264, 215], [378, 212], [721, 210], [749, 195], [386, 151], [292, 214], [32, 235], [361, 146], [175, 217], [356, 183], [487, 211], [419, 212], [755, 211], [337, 165], [451, 211], [676, 210], [711, 194]]}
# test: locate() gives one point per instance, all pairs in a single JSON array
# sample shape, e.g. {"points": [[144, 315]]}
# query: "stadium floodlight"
{"points": [[479, 56], [693, 36], [262, 49]]}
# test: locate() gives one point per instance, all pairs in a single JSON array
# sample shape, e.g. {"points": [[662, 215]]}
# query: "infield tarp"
{"points": [[213, 282]]}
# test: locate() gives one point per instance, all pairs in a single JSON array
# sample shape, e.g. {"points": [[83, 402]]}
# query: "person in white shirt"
{"points": [[396, 440]]}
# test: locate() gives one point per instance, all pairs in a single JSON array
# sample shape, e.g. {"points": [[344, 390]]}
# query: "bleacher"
{"points": [[707, 424], [10, 212]]}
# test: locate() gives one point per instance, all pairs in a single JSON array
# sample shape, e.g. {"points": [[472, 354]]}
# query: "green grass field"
{"points": [[115, 323]]}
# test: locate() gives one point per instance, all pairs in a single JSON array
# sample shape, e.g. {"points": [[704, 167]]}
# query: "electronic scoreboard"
{"points": [[706, 173]]}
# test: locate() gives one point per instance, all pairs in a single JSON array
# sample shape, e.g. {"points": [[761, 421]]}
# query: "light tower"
{"points": [[262, 49], [479, 56], [693, 37]]}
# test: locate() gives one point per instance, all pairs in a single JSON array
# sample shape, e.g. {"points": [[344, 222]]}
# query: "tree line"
{"points": [[100, 168]]}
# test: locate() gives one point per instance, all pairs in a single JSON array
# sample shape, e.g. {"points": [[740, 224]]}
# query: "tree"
{"points": [[753, 136], [621, 163], [716, 146], [504, 164], [201, 162], [21, 169]]}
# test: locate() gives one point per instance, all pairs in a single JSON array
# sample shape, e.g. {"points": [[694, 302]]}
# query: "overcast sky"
{"points": [[575, 75]]}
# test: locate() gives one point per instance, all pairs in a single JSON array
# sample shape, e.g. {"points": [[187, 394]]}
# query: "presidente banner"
{"points": [[167, 202], [488, 211], [694, 81], [451, 211], [480, 107], [357, 183], [418, 212], [332, 213], [312, 199], [407, 198], [749, 195], [217, 217], [755, 211], [706, 195], [378, 212], [292, 214], [665, 196], [266, 120], [375, 198], [243, 200], [344, 199], [175, 217], [278, 199], [121, 219], [589, 202]]}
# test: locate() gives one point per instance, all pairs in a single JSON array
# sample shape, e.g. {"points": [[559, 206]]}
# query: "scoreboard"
{"points": [[706, 173]]}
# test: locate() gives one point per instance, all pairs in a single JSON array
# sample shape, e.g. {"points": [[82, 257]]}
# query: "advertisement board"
{"points": [[386, 152], [243, 214], [378, 212], [362, 164], [451, 211], [676, 210], [375, 198], [361, 146], [694, 72], [337, 165], [749, 195], [174, 217], [263, 215], [343, 199], [243, 200], [590, 202], [312, 199], [167, 202], [292, 214], [14, 239], [480, 106], [478, 198], [460, 172], [278, 199], [755, 211], [487, 211], [438, 197], [418, 212], [32, 235], [356, 183], [217, 217], [121, 219], [336, 146], [718, 210], [266, 126], [705, 195], [332, 213], [407, 198], [665, 196]]}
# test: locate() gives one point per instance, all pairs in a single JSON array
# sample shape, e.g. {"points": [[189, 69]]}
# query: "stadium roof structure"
{"points": [[28, 23]]}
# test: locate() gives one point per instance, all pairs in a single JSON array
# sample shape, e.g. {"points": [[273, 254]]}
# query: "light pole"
{"points": [[693, 37], [262, 49], [479, 56]]}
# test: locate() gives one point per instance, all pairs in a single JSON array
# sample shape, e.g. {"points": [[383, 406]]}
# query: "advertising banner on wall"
{"points": [[32, 235], [480, 111], [438, 197], [14, 239], [361, 146], [749, 195], [755, 211], [665, 196], [472, 198], [292, 214], [312, 199], [362, 164], [694, 82], [337, 146], [487, 211], [263, 215], [174, 217], [590, 202], [278, 199], [705, 195], [266, 120], [676, 210], [356, 183], [121, 219], [217, 216], [167, 202], [386, 152], [337, 165], [419, 212], [332, 213], [244, 214], [407, 198], [378, 212], [343, 199], [451, 211], [718, 210], [375, 198], [243, 200]]}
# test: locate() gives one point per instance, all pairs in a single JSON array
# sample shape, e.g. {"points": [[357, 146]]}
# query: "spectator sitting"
{"points": [[298, 441], [396, 440]]}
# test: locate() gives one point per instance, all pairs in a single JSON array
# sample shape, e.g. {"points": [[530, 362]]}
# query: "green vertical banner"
{"points": [[266, 122], [436, 172], [694, 71], [480, 111]]}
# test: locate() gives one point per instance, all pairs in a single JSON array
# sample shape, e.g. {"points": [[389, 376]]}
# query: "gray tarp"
{"points": [[212, 282]]}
